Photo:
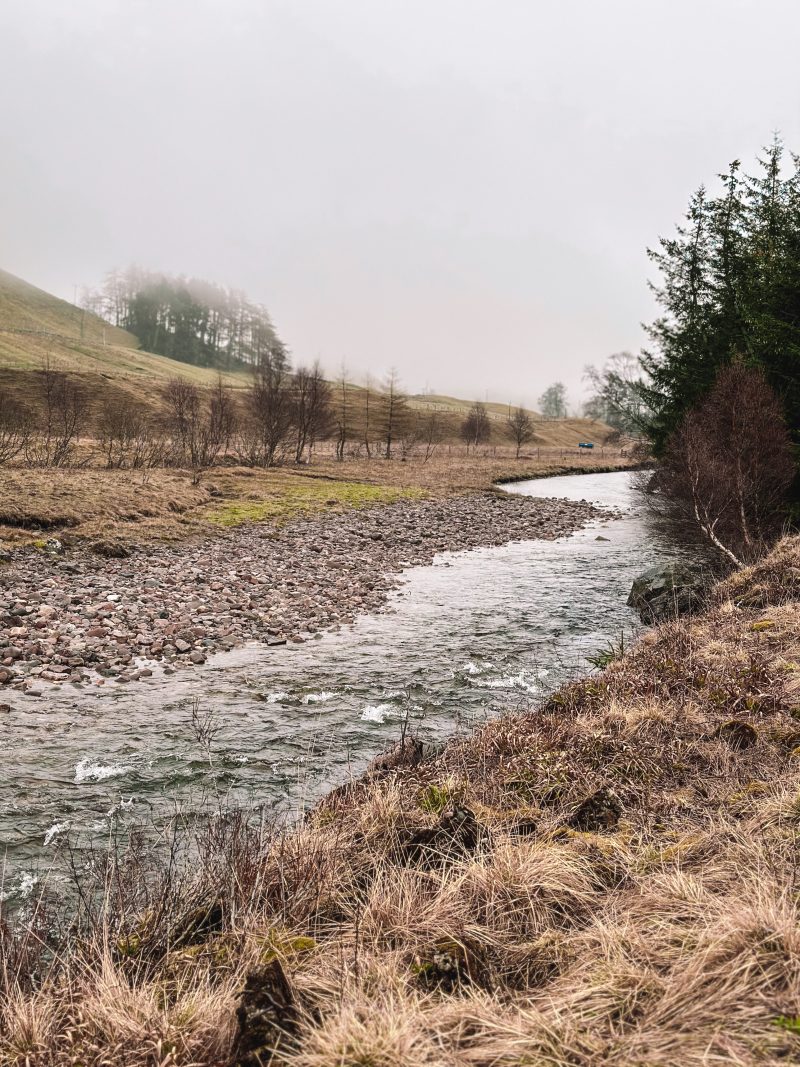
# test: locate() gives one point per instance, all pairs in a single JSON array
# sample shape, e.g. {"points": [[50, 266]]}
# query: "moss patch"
{"points": [[289, 500]]}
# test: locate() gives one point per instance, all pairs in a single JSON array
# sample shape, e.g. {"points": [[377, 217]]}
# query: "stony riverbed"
{"points": [[68, 615]]}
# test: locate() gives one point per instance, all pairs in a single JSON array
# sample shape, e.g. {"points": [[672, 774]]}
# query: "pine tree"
{"points": [[729, 290]]}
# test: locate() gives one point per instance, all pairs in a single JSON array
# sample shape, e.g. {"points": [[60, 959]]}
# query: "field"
{"points": [[166, 504]]}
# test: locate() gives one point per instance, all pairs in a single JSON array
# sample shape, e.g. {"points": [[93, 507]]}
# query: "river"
{"points": [[472, 635]]}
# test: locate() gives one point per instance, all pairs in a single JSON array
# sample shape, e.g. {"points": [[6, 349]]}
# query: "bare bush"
{"points": [[223, 414], [519, 428], [476, 428], [15, 428], [130, 440], [432, 433], [312, 413], [729, 466], [270, 414], [182, 399], [201, 425], [63, 419]]}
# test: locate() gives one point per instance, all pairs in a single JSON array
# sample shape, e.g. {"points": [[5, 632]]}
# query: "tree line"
{"points": [[187, 319], [717, 392], [281, 416], [729, 291]]}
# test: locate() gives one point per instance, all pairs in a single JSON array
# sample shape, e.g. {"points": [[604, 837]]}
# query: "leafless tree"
{"points": [[182, 400], [15, 427], [131, 440], [730, 464], [198, 423], [476, 428], [63, 416], [369, 393], [223, 413], [271, 403], [342, 413], [519, 427], [432, 433], [312, 414], [117, 429]]}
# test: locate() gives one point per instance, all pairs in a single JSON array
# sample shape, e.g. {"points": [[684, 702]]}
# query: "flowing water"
{"points": [[472, 635]]}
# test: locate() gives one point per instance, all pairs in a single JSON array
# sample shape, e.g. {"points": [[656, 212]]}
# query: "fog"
{"points": [[464, 189]]}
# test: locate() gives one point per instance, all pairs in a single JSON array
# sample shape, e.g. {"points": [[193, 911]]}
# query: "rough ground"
{"points": [[68, 614], [609, 880]]}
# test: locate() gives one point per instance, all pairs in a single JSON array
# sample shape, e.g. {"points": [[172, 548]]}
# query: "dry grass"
{"points": [[610, 879], [164, 504]]}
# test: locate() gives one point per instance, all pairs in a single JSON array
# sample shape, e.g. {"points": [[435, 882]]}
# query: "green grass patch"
{"points": [[307, 496], [433, 799], [788, 1022]]}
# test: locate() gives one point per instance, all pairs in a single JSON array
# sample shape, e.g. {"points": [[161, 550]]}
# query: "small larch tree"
{"points": [[393, 411]]}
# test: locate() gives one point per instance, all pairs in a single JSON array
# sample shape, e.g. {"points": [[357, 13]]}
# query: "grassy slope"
{"points": [[609, 880], [551, 432], [35, 325]]}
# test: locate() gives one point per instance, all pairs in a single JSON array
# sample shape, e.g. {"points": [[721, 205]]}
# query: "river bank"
{"points": [[121, 508], [605, 879], [71, 615]]}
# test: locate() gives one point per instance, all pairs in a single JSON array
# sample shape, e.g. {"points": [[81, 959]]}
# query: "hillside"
{"points": [[34, 326], [554, 433]]}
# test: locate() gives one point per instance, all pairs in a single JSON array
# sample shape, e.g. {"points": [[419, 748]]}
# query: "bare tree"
{"points": [[64, 413], [312, 414], [117, 429], [730, 464], [368, 406], [519, 427], [15, 427], [476, 428], [131, 440], [432, 433], [182, 401], [271, 403], [223, 413], [199, 423], [342, 414]]}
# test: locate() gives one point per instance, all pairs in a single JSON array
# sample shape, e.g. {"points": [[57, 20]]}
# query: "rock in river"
{"points": [[666, 591]]}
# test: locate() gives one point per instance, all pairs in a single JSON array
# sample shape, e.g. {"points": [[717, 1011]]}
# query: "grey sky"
{"points": [[461, 188]]}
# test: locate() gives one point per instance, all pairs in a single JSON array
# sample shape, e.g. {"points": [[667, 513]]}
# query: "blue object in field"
{"points": [[585, 444]]}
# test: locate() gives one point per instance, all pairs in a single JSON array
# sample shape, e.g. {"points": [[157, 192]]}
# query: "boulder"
{"points": [[666, 591]]}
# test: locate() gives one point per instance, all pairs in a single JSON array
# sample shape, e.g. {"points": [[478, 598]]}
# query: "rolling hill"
{"points": [[36, 326]]}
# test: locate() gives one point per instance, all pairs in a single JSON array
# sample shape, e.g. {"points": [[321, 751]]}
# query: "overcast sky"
{"points": [[461, 188]]}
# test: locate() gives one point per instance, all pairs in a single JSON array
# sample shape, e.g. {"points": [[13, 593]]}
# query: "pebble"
{"points": [[116, 618]]}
